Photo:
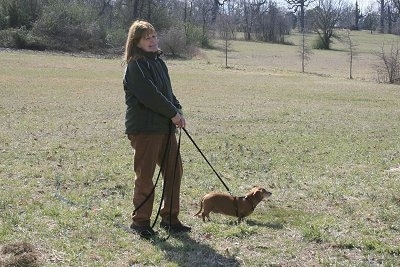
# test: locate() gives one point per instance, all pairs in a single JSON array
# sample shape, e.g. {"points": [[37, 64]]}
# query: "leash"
{"points": [[164, 159], [209, 164], [119, 224], [172, 188]]}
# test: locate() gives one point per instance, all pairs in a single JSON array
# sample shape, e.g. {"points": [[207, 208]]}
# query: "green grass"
{"points": [[325, 146]]}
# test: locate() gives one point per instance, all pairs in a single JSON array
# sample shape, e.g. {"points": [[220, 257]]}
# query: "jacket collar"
{"points": [[152, 55]]}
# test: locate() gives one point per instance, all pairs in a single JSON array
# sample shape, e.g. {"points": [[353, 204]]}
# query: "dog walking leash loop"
{"points": [[209, 164]]}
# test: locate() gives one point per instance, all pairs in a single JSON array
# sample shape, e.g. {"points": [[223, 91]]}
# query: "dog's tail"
{"points": [[201, 208]]}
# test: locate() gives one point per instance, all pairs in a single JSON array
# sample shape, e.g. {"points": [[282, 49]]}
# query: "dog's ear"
{"points": [[258, 194], [257, 190], [254, 192]]}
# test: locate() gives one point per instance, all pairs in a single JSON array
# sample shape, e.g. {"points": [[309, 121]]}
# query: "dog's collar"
{"points": [[253, 206], [237, 206], [236, 199]]}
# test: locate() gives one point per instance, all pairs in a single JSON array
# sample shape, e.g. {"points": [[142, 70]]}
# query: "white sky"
{"points": [[363, 4]]}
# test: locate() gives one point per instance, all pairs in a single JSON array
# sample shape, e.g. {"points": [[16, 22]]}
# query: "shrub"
{"points": [[389, 69], [193, 34], [69, 27], [20, 38], [318, 44], [18, 13], [116, 37], [3, 19], [174, 43], [7, 38]]}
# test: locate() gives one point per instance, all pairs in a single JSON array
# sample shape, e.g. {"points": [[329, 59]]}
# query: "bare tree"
{"points": [[347, 17], [352, 53], [225, 34], [231, 9], [215, 9], [396, 4], [272, 24], [225, 29], [370, 21], [305, 52], [198, 14], [135, 9], [295, 5], [382, 16], [327, 16], [389, 19], [390, 68], [251, 13], [357, 16], [206, 10], [392, 17]]}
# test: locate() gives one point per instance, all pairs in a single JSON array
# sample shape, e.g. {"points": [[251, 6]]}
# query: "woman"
{"points": [[152, 115]]}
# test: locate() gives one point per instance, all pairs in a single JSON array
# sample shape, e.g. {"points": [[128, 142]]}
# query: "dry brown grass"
{"points": [[286, 58]]}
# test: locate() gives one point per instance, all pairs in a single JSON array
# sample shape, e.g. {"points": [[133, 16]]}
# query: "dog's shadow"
{"points": [[271, 225], [189, 252]]}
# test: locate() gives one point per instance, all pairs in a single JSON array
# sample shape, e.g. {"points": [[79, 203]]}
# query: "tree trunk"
{"points": [[390, 22], [135, 9], [302, 17], [382, 17]]}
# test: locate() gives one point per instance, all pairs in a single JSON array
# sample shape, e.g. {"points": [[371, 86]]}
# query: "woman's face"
{"points": [[149, 43]]}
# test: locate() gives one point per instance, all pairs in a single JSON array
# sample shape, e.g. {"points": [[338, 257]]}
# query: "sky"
{"points": [[363, 4]]}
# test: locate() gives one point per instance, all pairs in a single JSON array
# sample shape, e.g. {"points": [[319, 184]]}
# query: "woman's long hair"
{"points": [[138, 30]]}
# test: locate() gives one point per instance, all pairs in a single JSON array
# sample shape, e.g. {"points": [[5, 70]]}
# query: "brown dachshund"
{"points": [[233, 206]]}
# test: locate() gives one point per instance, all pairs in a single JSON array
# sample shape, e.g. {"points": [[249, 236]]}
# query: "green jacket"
{"points": [[148, 95]]}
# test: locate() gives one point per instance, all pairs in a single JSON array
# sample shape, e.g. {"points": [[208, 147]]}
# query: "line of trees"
{"points": [[101, 25]]}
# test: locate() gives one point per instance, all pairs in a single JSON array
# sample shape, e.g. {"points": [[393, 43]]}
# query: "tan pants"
{"points": [[149, 150]]}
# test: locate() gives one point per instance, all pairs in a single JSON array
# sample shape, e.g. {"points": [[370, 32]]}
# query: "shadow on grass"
{"points": [[189, 252], [272, 225]]}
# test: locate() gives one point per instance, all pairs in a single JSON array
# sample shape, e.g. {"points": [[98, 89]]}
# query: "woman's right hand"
{"points": [[179, 121]]}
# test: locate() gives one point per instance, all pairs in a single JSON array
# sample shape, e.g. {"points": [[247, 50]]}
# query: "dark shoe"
{"points": [[143, 231], [176, 227]]}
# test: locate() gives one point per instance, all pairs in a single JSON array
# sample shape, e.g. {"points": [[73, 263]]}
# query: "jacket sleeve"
{"points": [[176, 103], [174, 99], [138, 82]]}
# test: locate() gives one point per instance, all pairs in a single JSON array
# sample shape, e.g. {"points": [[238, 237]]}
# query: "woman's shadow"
{"points": [[185, 251], [189, 252]]}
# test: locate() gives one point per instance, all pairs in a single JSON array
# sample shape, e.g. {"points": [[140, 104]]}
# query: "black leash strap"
{"points": [[172, 187], [209, 164]]}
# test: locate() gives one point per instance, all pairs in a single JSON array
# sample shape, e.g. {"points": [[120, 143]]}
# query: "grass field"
{"points": [[327, 147]]}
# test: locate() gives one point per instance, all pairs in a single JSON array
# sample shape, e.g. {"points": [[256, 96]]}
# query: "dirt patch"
{"points": [[20, 254], [394, 169]]}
